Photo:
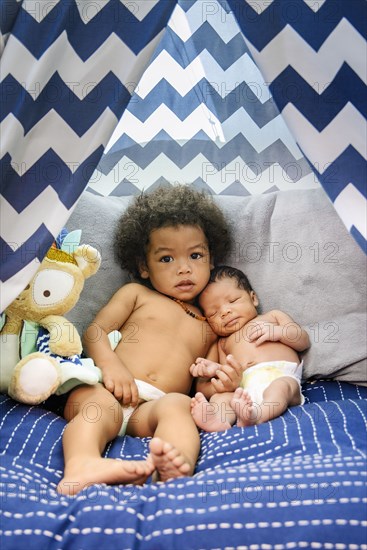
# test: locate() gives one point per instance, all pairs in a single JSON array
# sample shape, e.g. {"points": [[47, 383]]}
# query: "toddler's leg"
{"points": [[215, 415], [95, 418], [176, 443]]}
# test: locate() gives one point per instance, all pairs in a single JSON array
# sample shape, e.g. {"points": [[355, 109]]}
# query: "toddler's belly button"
{"points": [[153, 377]]}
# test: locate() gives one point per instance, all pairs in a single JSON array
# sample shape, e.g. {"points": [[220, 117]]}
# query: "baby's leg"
{"points": [[277, 397], [215, 415], [94, 418], [282, 393], [176, 443]]}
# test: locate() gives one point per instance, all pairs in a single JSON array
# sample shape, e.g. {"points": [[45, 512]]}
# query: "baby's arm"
{"points": [[229, 376], [116, 377], [286, 331], [216, 378]]}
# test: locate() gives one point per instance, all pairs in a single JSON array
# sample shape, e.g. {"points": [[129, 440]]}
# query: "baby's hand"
{"points": [[204, 368], [262, 331], [229, 377]]}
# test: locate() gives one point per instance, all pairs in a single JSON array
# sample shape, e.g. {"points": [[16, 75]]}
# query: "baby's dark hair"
{"points": [[165, 207], [224, 271]]}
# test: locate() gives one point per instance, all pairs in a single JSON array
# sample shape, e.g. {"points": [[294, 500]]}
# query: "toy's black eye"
{"points": [[51, 286]]}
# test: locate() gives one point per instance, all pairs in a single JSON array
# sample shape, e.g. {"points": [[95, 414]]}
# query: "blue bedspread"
{"points": [[298, 481]]}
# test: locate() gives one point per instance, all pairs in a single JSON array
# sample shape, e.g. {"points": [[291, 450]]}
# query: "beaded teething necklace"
{"points": [[187, 310]]}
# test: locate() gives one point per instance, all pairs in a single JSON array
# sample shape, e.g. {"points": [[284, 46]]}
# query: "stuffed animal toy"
{"points": [[35, 320]]}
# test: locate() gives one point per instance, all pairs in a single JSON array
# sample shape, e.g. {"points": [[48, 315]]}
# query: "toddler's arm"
{"points": [[116, 376], [204, 368]]}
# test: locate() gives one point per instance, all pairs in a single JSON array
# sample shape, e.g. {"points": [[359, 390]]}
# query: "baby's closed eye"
{"points": [[210, 314]]}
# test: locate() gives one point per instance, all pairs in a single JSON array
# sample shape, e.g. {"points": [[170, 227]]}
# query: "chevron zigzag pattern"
{"points": [[202, 113], [64, 88], [316, 64], [214, 177], [232, 96]]}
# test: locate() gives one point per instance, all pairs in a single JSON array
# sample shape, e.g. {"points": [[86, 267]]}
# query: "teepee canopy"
{"points": [[237, 97]]}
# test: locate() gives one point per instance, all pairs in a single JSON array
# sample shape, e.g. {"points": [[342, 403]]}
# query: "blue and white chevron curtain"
{"points": [[68, 69], [202, 114], [237, 97], [313, 54]]}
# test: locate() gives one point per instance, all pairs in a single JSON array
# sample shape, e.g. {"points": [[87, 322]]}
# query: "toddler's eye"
{"points": [[196, 255], [166, 259]]}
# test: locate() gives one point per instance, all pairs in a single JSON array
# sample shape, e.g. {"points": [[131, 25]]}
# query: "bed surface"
{"points": [[298, 481], [289, 483]]}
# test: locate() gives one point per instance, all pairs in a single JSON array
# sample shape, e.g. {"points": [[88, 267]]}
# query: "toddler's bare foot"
{"points": [[207, 416], [244, 408], [82, 473], [168, 461]]}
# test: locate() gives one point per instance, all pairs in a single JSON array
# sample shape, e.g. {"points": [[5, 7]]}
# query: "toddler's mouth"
{"points": [[186, 284]]}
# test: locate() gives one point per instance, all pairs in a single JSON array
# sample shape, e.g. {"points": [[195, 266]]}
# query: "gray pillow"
{"points": [[97, 216], [297, 254]]}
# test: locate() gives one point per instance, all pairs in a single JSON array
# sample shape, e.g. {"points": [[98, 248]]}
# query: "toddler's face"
{"points": [[178, 261], [227, 307]]}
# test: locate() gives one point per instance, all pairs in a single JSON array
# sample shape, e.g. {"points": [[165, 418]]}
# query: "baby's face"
{"points": [[227, 307]]}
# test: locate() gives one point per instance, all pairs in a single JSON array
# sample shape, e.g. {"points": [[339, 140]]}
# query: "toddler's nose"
{"points": [[184, 268]]}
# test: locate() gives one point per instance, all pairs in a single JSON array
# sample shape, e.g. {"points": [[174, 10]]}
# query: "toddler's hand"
{"points": [[122, 385], [204, 368]]}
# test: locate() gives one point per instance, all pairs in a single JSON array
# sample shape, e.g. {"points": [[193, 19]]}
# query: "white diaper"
{"points": [[257, 378], [146, 391]]}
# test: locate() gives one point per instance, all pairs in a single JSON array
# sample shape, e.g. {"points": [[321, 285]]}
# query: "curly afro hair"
{"points": [[164, 207]]}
